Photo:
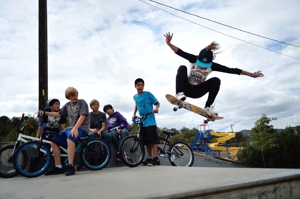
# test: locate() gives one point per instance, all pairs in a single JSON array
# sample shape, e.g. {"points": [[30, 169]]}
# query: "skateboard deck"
{"points": [[190, 107]]}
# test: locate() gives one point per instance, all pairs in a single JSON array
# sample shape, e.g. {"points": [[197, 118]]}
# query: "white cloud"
{"points": [[101, 47]]}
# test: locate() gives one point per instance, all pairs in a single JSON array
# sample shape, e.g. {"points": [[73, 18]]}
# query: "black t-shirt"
{"points": [[97, 120]]}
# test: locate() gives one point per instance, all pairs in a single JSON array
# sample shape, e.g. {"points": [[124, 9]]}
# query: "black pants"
{"points": [[210, 86]]}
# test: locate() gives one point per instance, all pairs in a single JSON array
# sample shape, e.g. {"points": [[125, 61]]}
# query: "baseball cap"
{"points": [[205, 58], [52, 101]]}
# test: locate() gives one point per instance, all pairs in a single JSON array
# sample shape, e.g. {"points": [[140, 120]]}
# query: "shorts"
{"points": [[149, 135], [66, 134]]}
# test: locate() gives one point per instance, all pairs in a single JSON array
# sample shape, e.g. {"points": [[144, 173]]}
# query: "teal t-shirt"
{"points": [[145, 103]]}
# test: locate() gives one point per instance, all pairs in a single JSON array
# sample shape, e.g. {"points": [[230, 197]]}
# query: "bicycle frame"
{"points": [[65, 150], [133, 150], [26, 138], [21, 137], [79, 144], [42, 146], [166, 151], [165, 140]]}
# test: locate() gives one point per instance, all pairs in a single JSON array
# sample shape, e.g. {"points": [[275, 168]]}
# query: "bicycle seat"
{"points": [[84, 137], [169, 132], [48, 135]]}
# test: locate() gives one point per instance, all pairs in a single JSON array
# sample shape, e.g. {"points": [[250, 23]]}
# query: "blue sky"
{"points": [[100, 47]]}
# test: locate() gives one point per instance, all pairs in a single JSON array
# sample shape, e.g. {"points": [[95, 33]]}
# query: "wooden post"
{"points": [[43, 55]]}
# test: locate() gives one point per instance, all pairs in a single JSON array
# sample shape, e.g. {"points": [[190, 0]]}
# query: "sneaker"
{"points": [[154, 161], [146, 161], [180, 96], [55, 170], [211, 110], [118, 157], [70, 170]]}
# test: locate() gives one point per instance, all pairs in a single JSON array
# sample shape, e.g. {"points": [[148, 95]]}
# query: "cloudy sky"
{"points": [[100, 47]]}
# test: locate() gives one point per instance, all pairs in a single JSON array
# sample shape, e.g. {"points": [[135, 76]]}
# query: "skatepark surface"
{"points": [[158, 182]]}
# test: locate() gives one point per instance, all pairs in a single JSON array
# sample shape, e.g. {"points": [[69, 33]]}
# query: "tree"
{"points": [[239, 138], [263, 135], [187, 135], [11, 130], [5, 126], [286, 152], [271, 149]]}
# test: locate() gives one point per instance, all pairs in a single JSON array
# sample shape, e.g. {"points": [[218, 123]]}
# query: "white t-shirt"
{"points": [[197, 75]]}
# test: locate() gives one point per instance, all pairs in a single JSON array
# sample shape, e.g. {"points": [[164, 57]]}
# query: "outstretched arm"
{"points": [[169, 37], [254, 75], [53, 114]]}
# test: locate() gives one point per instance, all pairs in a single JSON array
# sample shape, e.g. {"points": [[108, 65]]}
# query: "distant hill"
{"points": [[246, 132]]}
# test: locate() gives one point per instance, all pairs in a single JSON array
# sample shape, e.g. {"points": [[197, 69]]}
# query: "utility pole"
{"points": [[43, 55], [231, 128]]}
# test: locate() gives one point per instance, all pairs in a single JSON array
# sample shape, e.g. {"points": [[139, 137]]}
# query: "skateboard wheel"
{"points": [[174, 109]]}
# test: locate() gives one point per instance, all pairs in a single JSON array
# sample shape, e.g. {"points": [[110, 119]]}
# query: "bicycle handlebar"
{"points": [[26, 125], [140, 119], [115, 128], [22, 119]]}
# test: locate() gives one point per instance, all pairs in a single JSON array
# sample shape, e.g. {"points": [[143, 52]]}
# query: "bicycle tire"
{"points": [[132, 151], [96, 154], [181, 155], [7, 169], [34, 166]]}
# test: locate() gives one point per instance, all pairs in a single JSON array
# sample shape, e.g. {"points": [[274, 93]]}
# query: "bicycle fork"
{"points": [[16, 145]]}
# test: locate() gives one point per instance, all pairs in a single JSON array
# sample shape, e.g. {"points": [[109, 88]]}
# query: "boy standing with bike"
{"points": [[144, 102], [78, 112]]}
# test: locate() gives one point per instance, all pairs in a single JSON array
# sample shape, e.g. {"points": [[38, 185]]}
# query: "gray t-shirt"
{"points": [[96, 118], [74, 111]]}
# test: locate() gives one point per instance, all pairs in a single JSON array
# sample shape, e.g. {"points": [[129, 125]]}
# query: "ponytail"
{"points": [[214, 46]]}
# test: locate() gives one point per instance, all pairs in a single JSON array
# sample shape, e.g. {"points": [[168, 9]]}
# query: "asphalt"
{"points": [[158, 182]]}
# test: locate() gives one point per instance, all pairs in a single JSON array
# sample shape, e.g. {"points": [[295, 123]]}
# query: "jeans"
{"points": [[116, 139], [210, 86], [105, 135]]}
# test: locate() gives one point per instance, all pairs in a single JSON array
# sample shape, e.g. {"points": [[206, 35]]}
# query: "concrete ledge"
{"points": [[113, 162], [285, 189]]}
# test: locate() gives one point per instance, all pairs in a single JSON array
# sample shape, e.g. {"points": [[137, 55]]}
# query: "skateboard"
{"points": [[188, 106]]}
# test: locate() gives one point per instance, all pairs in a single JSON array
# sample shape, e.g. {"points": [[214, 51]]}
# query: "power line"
{"points": [[221, 32], [225, 24]]}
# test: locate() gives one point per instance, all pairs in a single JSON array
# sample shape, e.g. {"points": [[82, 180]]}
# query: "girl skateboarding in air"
{"points": [[194, 83]]}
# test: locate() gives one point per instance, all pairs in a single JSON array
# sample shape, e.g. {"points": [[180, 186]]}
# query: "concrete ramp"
{"points": [[159, 182]]}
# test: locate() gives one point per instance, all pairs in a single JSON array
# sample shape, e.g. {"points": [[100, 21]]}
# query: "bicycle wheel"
{"points": [[181, 155], [132, 151], [35, 165], [7, 169], [96, 154]]}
